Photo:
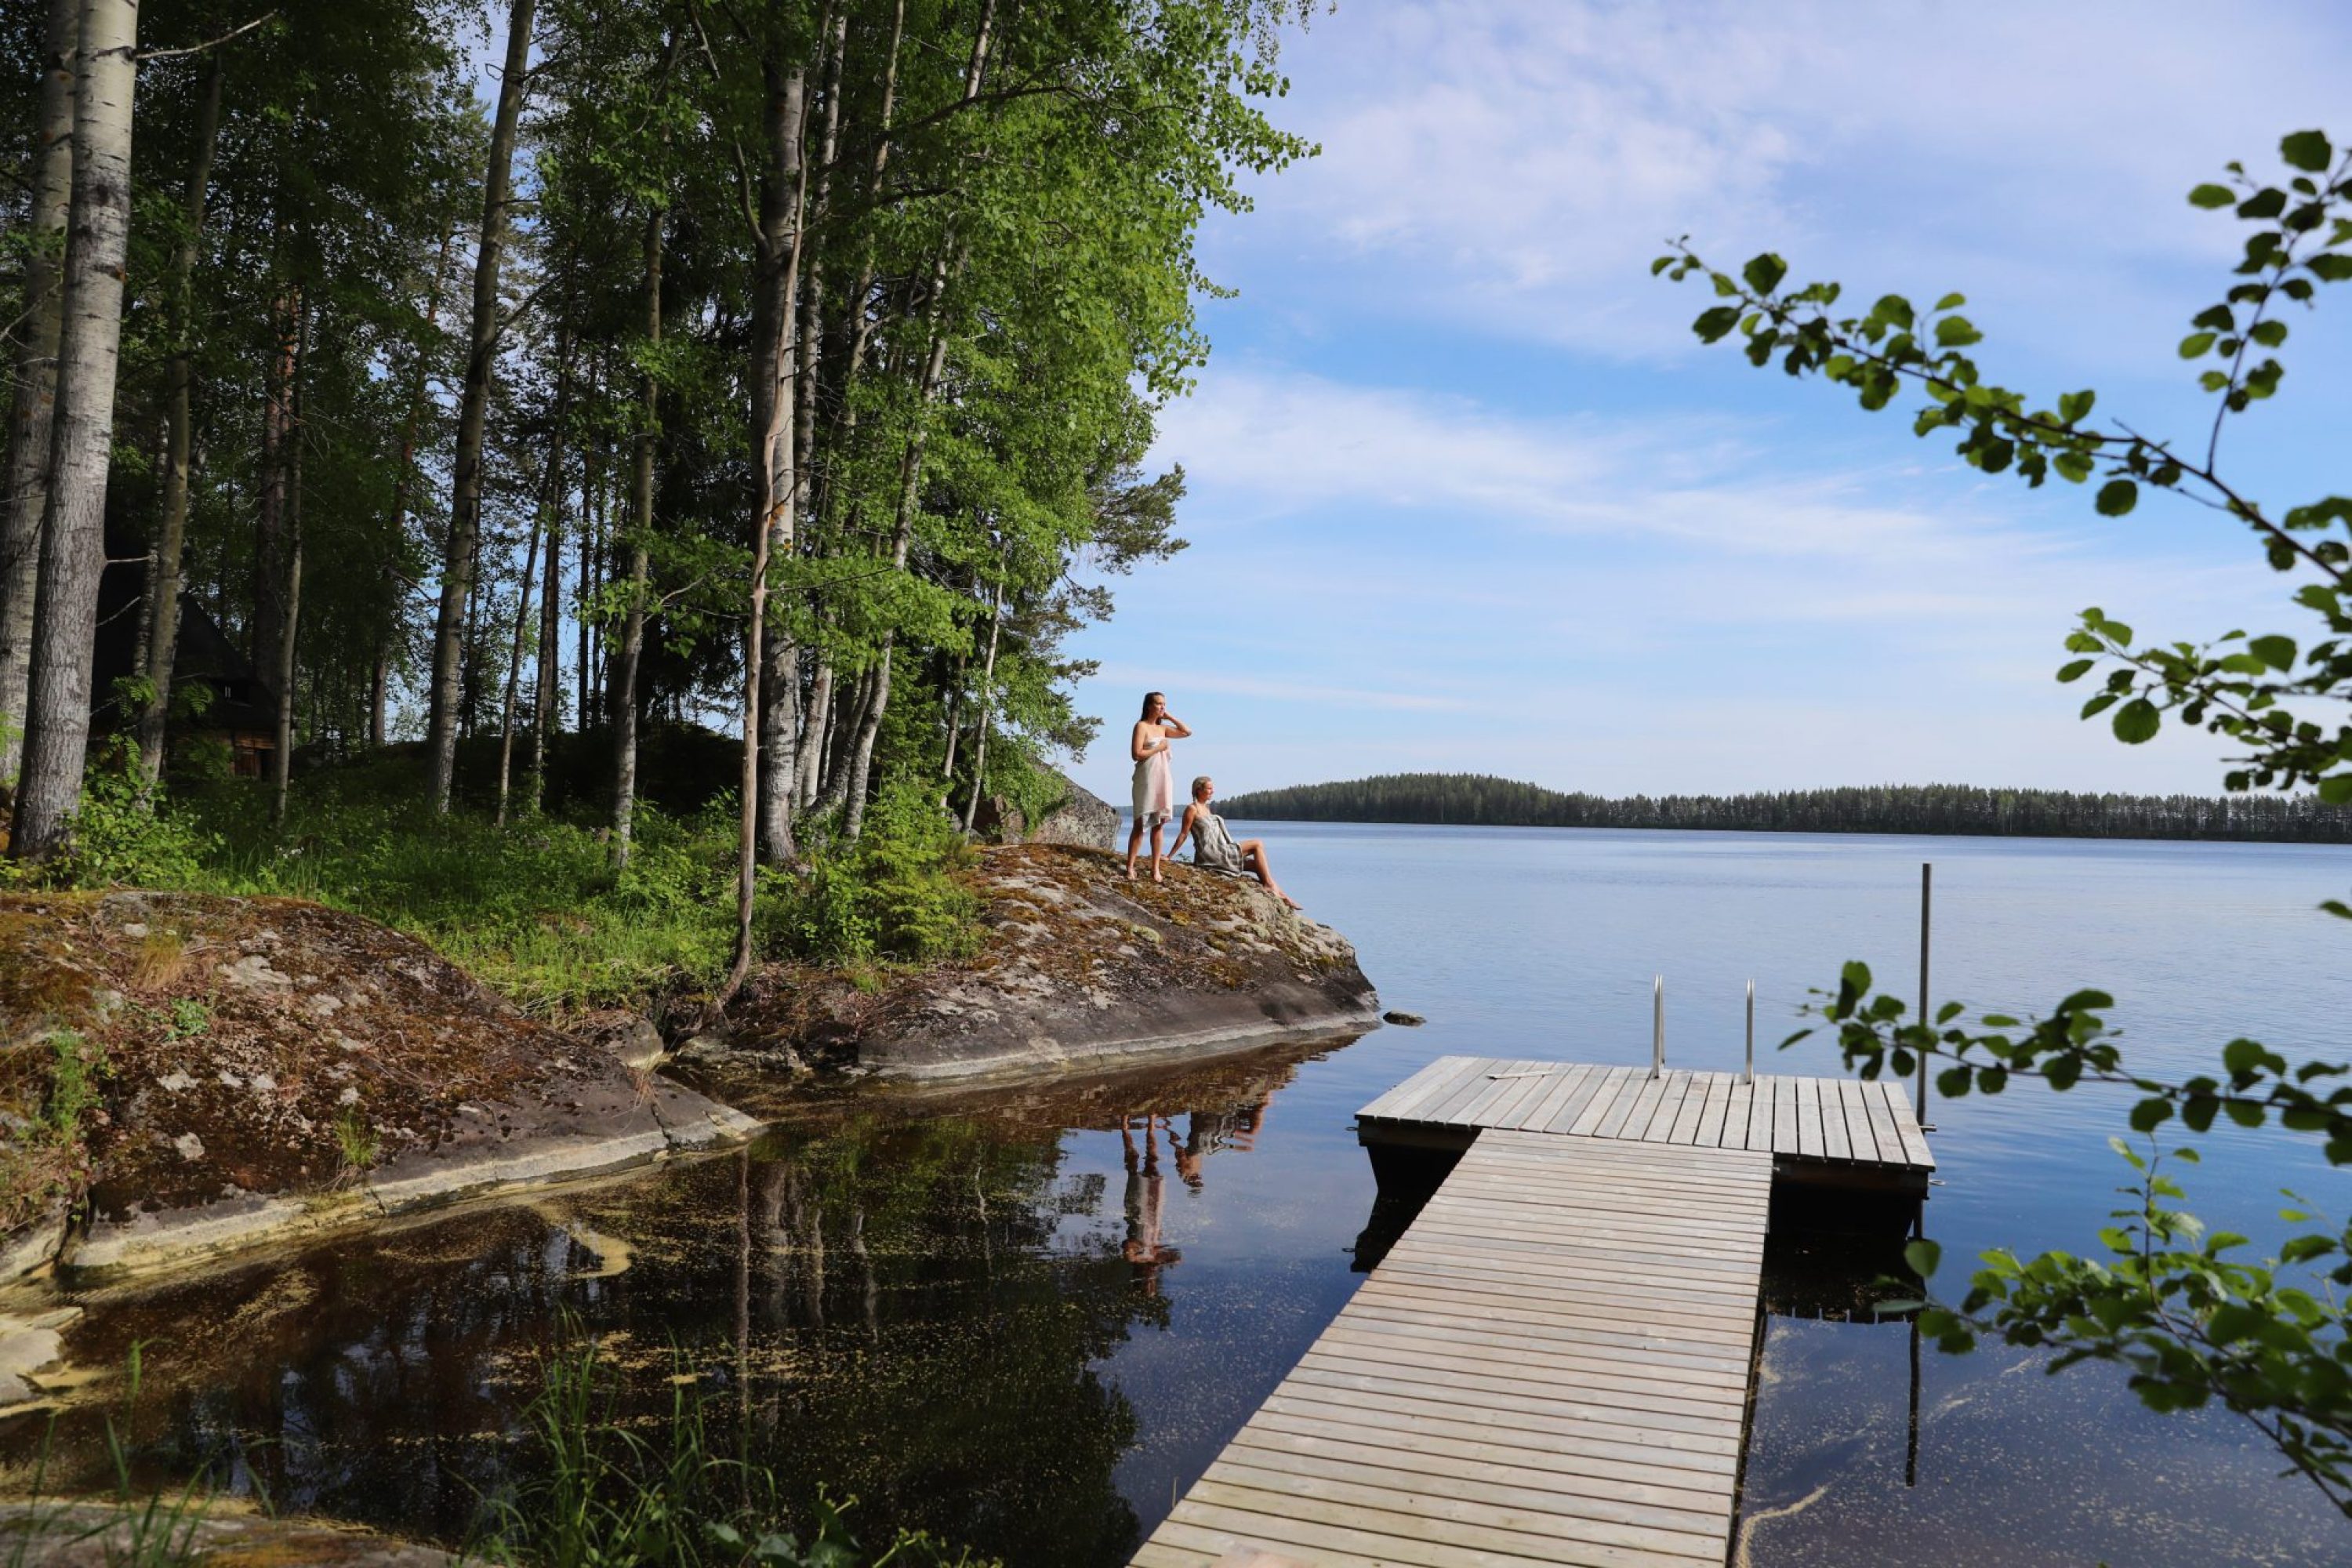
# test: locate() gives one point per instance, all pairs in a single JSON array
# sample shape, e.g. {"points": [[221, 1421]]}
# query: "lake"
{"points": [[1025, 1318]]}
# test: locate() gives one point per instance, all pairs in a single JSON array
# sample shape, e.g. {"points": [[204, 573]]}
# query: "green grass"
{"points": [[606, 1494], [535, 908]]}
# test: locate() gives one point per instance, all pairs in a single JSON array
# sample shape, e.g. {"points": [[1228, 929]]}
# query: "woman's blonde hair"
{"points": [[1201, 783]]}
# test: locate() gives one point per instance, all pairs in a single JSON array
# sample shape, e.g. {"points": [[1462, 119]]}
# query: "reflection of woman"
{"points": [[1145, 1191], [1155, 781]]}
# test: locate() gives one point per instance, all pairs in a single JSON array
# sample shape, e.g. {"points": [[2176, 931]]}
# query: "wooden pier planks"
{"points": [[1821, 1122], [1551, 1366]]}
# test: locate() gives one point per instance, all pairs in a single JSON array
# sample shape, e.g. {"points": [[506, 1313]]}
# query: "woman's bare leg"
{"points": [[1134, 843], [1157, 859], [1255, 861]]}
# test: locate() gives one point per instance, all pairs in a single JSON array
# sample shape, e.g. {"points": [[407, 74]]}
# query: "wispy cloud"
{"points": [[1504, 167]]}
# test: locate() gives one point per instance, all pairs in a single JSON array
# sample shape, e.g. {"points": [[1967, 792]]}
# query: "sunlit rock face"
{"points": [[208, 1073], [1079, 965]]}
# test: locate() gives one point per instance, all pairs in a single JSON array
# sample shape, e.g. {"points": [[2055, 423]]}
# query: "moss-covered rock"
{"points": [[1078, 965]]}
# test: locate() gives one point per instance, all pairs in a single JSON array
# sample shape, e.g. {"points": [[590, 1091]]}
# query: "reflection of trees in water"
{"points": [[892, 1306]]}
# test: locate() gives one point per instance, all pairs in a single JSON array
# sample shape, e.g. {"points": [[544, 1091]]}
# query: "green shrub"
{"points": [[895, 894], [124, 836]]}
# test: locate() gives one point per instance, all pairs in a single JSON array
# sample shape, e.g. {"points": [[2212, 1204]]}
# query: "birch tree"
{"points": [[73, 543]]}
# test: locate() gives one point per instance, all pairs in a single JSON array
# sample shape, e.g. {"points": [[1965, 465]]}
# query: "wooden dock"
{"points": [[1552, 1364], [1837, 1130]]}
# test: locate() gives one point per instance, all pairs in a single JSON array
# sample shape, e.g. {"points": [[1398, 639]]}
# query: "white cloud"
{"points": [[1510, 166]]}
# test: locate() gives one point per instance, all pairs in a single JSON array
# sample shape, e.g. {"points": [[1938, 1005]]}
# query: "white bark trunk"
{"points": [[73, 548], [31, 411], [473, 412]]}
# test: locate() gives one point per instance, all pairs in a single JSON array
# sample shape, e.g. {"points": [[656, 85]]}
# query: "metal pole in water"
{"points": [[1750, 1076], [1927, 887], [1657, 1025]]}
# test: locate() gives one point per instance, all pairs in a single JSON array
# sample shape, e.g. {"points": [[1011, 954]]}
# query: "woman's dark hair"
{"points": [[1147, 700]]}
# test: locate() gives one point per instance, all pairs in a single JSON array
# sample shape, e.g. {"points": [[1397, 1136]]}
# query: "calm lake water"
{"points": [[1026, 1319]]}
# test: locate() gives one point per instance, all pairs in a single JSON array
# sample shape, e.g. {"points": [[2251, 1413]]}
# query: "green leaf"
{"points": [[2074, 406], [1923, 1256], [2275, 651], [2210, 197], [2270, 334], [2307, 150], [1713, 325], [1764, 272], [1956, 332], [2337, 789], [2138, 720], [2196, 345], [2117, 496], [2075, 670]]}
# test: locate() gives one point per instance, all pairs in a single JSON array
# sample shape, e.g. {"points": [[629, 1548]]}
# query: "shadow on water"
{"points": [[906, 1295]]}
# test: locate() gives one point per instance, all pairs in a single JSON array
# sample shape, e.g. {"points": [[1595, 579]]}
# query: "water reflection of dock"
{"points": [[1552, 1363]]}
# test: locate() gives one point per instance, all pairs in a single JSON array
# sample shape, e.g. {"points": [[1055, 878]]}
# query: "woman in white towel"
{"points": [[1155, 781]]}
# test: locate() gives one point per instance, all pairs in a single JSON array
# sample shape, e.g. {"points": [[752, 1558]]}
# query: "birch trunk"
{"points": [[987, 685], [622, 684], [179, 378], [783, 196], [281, 760], [473, 407], [73, 544], [269, 508], [861, 760], [32, 410], [514, 663]]}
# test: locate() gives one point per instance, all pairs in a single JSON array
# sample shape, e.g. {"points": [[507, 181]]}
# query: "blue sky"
{"points": [[1466, 495]]}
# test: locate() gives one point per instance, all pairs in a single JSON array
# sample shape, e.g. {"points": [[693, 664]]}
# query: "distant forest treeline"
{"points": [[1479, 800]]}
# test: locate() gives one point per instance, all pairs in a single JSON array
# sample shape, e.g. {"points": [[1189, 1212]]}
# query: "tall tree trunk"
{"points": [[592, 542], [987, 687], [269, 509], [775, 319], [32, 410], [950, 262], [179, 378], [403, 484], [473, 407], [514, 661], [548, 685], [810, 763], [73, 543], [547, 515], [281, 759], [622, 687], [782, 785]]}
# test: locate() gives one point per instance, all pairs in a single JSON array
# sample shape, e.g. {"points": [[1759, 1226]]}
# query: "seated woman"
{"points": [[1213, 848]]}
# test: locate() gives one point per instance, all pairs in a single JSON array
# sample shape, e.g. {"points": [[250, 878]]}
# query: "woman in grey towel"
{"points": [[1213, 848]]}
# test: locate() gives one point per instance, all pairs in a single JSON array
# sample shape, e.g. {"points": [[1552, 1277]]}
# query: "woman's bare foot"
{"points": [[1287, 898]]}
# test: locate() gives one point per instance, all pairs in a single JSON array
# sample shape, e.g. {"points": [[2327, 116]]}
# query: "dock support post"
{"points": [[1927, 887], [1748, 1078], [1657, 1025]]}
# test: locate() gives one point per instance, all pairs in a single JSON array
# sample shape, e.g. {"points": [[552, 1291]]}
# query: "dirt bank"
{"points": [[183, 1076]]}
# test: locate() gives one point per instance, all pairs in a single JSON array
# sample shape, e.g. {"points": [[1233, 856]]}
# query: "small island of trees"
{"points": [[1484, 801]]}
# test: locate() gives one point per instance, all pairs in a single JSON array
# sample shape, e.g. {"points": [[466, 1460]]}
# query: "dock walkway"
{"points": [[1552, 1364]]}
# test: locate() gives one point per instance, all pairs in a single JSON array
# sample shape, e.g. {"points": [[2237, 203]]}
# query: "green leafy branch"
{"points": [[2191, 1324], [2234, 688]]}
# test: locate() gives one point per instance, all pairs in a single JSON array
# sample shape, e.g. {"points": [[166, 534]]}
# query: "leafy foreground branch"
{"points": [[2167, 1299]]}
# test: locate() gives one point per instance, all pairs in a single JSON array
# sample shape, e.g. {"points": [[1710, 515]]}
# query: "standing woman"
{"points": [[1155, 781]]}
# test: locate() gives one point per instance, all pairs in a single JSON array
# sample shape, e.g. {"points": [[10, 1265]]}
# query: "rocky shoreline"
{"points": [[187, 1077]]}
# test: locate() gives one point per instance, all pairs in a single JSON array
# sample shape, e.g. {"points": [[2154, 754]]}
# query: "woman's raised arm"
{"points": [[1175, 726]]}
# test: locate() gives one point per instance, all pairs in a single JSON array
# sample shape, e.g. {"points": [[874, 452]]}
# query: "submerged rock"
{"points": [[244, 1070], [95, 1535], [1078, 965], [1404, 1020]]}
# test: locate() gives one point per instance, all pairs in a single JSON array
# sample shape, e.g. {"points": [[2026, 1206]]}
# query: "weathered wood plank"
{"points": [[1907, 1129], [1549, 1366]]}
